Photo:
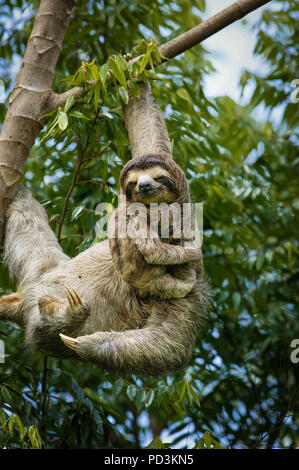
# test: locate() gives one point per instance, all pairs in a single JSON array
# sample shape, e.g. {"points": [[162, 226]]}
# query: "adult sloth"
{"points": [[109, 321]]}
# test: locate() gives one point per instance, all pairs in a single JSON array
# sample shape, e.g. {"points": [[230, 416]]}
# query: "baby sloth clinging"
{"points": [[153, 254]]}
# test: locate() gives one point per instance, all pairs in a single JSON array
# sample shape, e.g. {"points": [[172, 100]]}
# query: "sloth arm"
{"points": [[157, 252], [163, 346], [168, 286], [153, 279]]}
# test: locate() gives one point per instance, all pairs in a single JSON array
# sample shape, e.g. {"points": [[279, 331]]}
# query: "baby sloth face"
{"points": [[151, 185]]}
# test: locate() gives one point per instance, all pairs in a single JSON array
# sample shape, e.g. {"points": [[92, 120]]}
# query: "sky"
{"points": [[232, 51]]}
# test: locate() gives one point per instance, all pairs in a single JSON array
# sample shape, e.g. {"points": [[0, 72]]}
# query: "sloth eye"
{"points": [[132, 184], [161, 179]]}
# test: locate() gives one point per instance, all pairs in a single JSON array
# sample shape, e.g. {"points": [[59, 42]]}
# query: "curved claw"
{"points": [[71, 343], [73, 298]]}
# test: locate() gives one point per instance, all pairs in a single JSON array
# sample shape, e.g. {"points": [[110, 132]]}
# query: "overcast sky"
{"points": [[231, 51]]}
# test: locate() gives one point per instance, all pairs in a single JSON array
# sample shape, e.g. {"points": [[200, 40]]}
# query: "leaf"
{"points": [[111, 20], [69, 103], [158, 444], [134, 87], [97, 92], [118, 71], [104, 73], [78, 114], [104, 70], [117, 387], [11, 425], [236, 299], [34, 437], [78, 390], [183, 392], [77, 211], [95, 72], [131, 392], [62, 120], [140, 399], [6, 396], [223, 296], [200, 444], [183, 93], [201, 5], [208, 440], [50, 130], [143, 63], [260, 261], [124, 96], [2, 419], [149, 398], [194, 395]]}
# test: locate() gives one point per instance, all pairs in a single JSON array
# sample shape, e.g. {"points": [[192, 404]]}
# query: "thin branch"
{"points": [[237, 282], [74, 182], [69, 193], [44, 384], [274, 433], [59, 99], [216, 23]]}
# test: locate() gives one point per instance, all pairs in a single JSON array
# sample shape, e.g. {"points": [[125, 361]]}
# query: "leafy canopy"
{"points": [[240, 388]]}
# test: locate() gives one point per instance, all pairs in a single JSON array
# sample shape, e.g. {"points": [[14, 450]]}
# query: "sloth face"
{"points": [[151, 185]]}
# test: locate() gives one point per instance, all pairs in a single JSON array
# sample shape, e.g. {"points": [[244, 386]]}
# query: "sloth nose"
{"points": [[145, 186]]}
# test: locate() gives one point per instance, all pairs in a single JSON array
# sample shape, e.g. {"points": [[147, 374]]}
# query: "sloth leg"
{"points": [[11, 308], [71, 312], [153, 350]]}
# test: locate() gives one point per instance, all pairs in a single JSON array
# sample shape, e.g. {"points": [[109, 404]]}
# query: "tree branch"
{"points": [[191, 38], [275, 431], [194, 36]]}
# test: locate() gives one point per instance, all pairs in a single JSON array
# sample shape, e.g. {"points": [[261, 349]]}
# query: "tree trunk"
{"points": [[32, 95]]}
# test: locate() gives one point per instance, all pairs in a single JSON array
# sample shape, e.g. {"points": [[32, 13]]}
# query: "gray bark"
{"points": [[32, 96]]}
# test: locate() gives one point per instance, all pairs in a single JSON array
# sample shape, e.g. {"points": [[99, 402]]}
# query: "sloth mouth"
{"points": [[148, 196], [148, 192]]}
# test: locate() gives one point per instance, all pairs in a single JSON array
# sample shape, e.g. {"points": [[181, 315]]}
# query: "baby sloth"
{"points": [[152, 254]]}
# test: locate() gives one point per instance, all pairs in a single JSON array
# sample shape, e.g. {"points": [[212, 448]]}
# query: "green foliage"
{"points": [[108, 84], [13, 433], [240, 389], [207, 442]]}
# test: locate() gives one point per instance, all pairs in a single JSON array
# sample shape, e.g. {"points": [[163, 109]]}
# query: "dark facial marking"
{"points": [[129, 188], [166, 182]]}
